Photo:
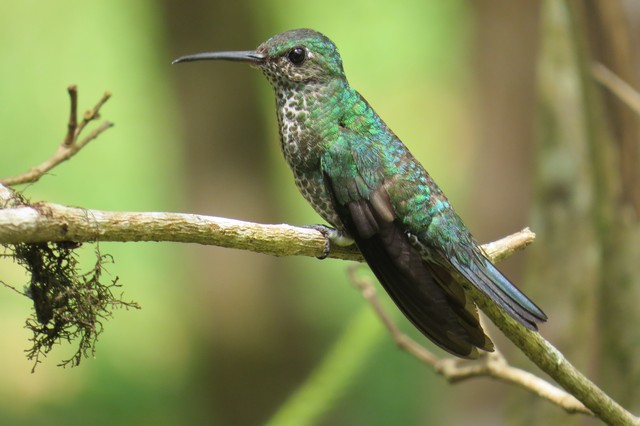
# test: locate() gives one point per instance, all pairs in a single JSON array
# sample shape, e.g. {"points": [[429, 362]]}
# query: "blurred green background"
{"points": [[226, 337]]}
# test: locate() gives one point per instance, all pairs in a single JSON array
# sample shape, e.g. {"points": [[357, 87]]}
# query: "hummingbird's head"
{"points": [[300, 56], [290, 58]]}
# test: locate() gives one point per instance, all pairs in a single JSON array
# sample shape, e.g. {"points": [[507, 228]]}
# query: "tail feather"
{"points": [[488, 279]]}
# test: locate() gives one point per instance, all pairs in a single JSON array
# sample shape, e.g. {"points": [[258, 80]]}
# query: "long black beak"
{"points": [[250, 56]]}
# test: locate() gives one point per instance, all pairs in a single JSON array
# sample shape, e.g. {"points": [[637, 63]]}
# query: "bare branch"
{"points": [[501, 249], [43, 222], [92, 114], [92, 135], [617, 86], [492, 365], [73, 115], [551, 361], [70, 145]]}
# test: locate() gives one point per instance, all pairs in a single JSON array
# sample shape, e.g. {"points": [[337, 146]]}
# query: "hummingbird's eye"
{"points": [[297, 55]]}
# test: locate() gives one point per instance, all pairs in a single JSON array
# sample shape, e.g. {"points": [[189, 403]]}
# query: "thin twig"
{"points": [[627, 94], [73, 115], [492, 365], [70, 144], [93, 113], [93, 134]]}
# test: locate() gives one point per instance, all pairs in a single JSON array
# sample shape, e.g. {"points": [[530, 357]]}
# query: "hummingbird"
{"points": [[360, 177]]}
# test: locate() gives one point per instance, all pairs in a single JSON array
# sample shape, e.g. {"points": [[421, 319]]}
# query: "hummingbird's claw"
{"points": [[332, 236], [327, 234]]}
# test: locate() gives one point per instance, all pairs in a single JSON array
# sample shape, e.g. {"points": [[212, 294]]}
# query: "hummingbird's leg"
{"points": [[332, 236]]}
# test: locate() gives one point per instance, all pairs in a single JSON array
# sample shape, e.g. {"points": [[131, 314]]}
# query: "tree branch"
{"points": [[551, 361], [627, 94], [70, 145], [43, 222], [493, 365]]}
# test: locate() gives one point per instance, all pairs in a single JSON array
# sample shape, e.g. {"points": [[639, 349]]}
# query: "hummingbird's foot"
{"points": [[332, 236]]}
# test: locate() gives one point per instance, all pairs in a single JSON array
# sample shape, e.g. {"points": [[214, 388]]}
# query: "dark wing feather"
{"points": [[424, 292]]}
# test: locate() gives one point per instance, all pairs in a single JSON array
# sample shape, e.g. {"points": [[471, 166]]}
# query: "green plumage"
{"points": [[361, 178]]}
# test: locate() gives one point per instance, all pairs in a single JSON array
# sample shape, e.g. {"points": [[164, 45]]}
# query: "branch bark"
{"points": [[71, 143], [43, 222]]}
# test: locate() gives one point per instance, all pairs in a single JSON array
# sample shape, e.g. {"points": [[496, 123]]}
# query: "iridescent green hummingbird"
{"points": [[360, 178]]}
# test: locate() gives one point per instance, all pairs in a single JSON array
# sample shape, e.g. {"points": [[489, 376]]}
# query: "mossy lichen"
{"points": [[69, 305]]}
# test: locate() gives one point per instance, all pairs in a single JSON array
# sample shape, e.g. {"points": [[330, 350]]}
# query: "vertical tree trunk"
{"points": [[616, 162], [585, 211]]}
